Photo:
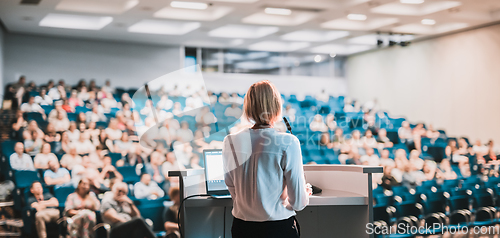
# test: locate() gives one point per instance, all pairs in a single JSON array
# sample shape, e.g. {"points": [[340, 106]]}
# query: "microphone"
{"points": [[287, 125]]}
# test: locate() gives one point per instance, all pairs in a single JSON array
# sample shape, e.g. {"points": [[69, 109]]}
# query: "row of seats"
{"points": [[468, 202]]}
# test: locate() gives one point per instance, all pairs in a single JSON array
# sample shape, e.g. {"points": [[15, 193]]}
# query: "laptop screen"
{"points": [[214, 170]]}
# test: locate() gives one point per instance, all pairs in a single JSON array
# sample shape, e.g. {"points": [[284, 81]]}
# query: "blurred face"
{"points": [[53, 165], [36, 188], [31, 100], [382, 133], [146, 179], [107, 160], [405, 124], [171, 157], [368, 133], [120, 189], [84, 186], [46, 148], [356, 134], [338, 132], [19, 148], [385, 154], [369, 151]]}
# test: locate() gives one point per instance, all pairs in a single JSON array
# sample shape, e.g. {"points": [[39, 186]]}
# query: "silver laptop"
{"points": [[214, 174]]}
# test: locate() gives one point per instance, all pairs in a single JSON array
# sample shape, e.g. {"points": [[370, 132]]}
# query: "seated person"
{"points": [[6, 188], [81, 206], [124, 145], [123, 216], [318, 124], [147, 188], [20, 160], [370, 158], [32, 142], [446, 170], [71, 159], [84, 145], [42, 159], [109, 171], [368, 140], [384, 158], [233, 111], [87, 170], [171, 222], [388, 180], [32, 106], [382, 139], [56, 175], [46, 208]]}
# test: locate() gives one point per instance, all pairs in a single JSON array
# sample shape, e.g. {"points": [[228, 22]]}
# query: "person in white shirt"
{"points": [[71, 159], [250, 158], [385, 160], [370, 158], [84, 145], [233, 111], [112, 131], [32, 106], [171, 164], [43, 99], [185, 134], [20, 160], [73, 132], [42, 159], [318, 124], [147, 188], [61, 123], [236, 99], [165, 103], [323, 96]]}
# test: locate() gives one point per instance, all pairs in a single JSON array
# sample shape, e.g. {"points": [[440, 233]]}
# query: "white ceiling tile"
{"points": [[295, 18], [97, 6], [210, 14], [70, 21], [242, 31], [369, 24], [340, 49], [314, 35], [429, 7], [278, 46], [162, 27]]}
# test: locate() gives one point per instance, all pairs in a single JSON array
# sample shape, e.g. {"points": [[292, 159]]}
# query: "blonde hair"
{"points": [[262, 103]]}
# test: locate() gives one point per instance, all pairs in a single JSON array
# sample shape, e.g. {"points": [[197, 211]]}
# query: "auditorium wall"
{"points": [[41, 58], [452, 82]]}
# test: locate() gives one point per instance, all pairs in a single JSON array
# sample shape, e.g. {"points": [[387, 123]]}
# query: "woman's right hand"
{"points": [[309, 189]]}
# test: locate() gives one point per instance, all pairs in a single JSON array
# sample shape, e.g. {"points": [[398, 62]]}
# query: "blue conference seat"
{"points": [[24, 179], [61, 193], [129, 174]]}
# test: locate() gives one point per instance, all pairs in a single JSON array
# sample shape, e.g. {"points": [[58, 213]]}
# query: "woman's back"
{"points": [[266, 161]]}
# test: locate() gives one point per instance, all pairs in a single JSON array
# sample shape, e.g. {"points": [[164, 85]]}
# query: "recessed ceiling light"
{"points": [[333, 55], [412, 1], [278, 11], [161, 27], [356, 17], [242, 31], [429, 22], [79, 22], [237, 42], [189, 5], [317, 58]]}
